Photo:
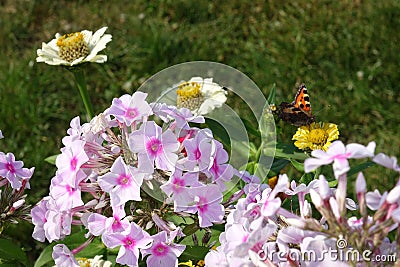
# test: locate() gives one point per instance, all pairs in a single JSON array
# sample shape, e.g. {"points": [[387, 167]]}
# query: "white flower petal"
{"points": [[336, 148], [99, 59], [359, 151], [99, 45], [96, 42]]}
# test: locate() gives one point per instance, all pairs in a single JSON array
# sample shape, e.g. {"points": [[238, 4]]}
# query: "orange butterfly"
{"points": [[298, 112]]}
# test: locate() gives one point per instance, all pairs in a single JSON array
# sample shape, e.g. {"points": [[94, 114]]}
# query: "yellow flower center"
{"points": [[189, 95], [72, 46], [83, 262], [318, 137]]}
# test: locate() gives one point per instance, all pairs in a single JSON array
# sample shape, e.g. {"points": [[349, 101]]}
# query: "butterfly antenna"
{"points": [[319, 111]]}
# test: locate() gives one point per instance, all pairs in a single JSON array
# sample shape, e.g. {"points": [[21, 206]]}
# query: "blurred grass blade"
{"points": [[272, 95]]}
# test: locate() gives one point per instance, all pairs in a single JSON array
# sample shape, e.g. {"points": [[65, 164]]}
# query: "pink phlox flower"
{"points": [[63, 257], [154, 146], [184, 116], [320, 244], [393, 196], [396, 215], [128, 109], [97, 125], [58, 223], [322, 187], [163, 111], [303, 189], [101, 225], [375, 200], [270, 203], [70, 161], [255, 240], [292, 235], [177, 181], [181, 116], [178, 186], [25, 181], [74, 132], [386, 161], [38, 214], [216, 258], [200, 151], [219, 170], [357, 223], [65, 196], [237, 216], [130, 241], [123, 183], [206, 201], [163, 252], [253, 187], [248, 178], [349, 203], [338, 154], [13, 170], [236, 234]]}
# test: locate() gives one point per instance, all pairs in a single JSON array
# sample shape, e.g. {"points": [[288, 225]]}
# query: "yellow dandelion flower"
{"points": [[316, 136]]}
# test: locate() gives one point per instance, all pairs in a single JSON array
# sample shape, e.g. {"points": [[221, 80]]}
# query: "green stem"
{"points": [[81, 84]]}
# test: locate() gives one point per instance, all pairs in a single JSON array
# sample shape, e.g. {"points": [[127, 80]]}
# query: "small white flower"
{"points": [[98, 124], [200, 95], [75, 48]]}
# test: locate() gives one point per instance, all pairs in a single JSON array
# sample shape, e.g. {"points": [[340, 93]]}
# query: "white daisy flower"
{"points": [[200, 95], [75, 48]]}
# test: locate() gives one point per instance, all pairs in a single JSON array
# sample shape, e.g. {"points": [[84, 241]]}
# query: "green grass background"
{"points": [[347, 52]]}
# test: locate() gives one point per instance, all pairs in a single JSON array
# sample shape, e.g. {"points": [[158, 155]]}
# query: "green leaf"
{"points": [[51, 159], [298, 165], [250, 128], [289, 152], [191, 229], [277, 166], [333, 183], [9, 251], [306, 178], [45, 257], [219, 131], [7, 264], [360, 167], [194, 253]]}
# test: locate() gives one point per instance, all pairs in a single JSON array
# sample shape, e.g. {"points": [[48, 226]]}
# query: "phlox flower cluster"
{"points": [[113, 163], [261, 232], [14, 179]]}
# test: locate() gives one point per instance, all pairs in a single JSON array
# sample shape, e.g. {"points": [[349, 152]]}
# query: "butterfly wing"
{"points": [[302, 100], [298, 112], [290, 113]]}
